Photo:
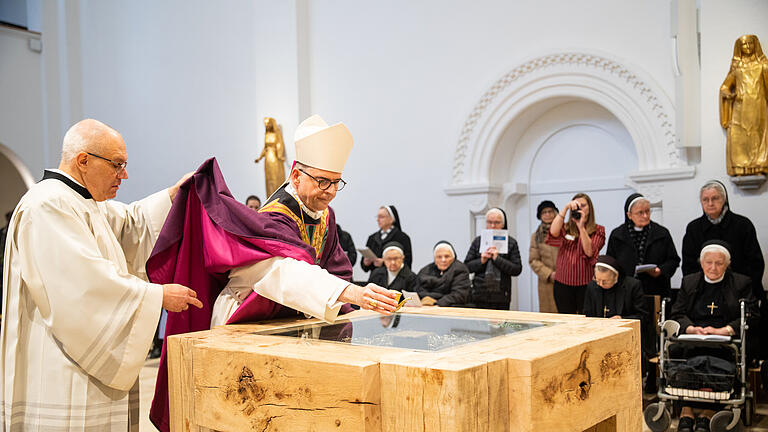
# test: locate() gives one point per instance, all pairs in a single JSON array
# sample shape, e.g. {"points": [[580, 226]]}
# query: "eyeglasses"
{"points": [[324, 183], [604, 282], [714, 199], [119, 166]]}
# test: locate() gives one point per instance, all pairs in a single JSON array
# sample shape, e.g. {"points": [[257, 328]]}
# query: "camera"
{"points": [[575, 214]]}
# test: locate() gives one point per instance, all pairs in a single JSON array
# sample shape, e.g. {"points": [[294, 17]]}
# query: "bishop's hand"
{"points": [[370, 297]]}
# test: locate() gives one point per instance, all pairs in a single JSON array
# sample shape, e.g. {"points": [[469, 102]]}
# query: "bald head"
{"points": [[87, 135], [94, 155]]}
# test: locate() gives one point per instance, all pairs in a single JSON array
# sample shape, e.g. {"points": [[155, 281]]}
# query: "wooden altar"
{"points": [[573, 374]]}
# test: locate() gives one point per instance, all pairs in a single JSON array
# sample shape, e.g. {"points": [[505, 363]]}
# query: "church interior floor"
{"points": [[149, 374], [759, 421], [147, 378]]}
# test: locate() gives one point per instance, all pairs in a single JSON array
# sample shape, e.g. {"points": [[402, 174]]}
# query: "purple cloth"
{"points": [[206, 234]]}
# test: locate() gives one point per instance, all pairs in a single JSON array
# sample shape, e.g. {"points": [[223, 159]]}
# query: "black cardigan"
{"points": [[449, 289], [735, 287], [405, 279], [659, 250], [376, 244], [629, 300]]}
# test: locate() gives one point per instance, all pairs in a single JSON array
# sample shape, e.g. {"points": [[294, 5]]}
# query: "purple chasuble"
{"points": [[207, 233]]}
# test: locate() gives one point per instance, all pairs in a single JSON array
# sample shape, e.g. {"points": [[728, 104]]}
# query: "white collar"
{"points": [[393, 275], [718, 219], [313, 214], [714, 281], [58, 171]]}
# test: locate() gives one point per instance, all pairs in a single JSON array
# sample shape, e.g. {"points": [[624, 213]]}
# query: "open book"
{"points": [[713, 338], [368, 253], [643, 268]]}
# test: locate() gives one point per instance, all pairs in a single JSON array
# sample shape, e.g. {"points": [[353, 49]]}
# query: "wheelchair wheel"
{"points": [[749, 410], [721, 420], [662, 423]]}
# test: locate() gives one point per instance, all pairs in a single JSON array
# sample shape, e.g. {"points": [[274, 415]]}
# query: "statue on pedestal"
{"points": [[273, 155], [744, 109]]}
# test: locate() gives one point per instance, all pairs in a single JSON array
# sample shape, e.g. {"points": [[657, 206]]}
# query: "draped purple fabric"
{"points": [[206, 234]]}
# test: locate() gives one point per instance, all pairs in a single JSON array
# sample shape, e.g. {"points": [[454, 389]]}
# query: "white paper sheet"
{"points": [[496, 238]]}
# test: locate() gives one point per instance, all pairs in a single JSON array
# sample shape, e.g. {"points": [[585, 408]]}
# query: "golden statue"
{"points": [[273, 155], [744, 109]]}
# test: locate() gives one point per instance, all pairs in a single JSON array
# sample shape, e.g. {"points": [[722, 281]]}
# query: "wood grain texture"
{"points": [[580, 375]]}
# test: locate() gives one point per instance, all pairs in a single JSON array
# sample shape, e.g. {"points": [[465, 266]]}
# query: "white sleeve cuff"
{"points": [[298, 285], [334, 302]]}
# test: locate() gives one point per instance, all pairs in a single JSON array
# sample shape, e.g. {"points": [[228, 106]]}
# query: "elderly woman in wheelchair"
{"points": [[709, 305]]}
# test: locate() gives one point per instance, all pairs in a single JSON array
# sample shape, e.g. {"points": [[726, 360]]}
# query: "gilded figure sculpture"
{"points": [[744, 109], [273, 155]]}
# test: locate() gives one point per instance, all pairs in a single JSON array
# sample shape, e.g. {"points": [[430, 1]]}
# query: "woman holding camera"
{"points": [[580, 241]]}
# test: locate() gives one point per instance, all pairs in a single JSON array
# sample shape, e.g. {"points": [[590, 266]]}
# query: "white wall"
{"points": [[184, 80], [404, 76], [21, 105]]}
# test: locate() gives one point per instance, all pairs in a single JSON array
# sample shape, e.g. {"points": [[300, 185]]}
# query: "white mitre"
{"points": [[321, 146]]}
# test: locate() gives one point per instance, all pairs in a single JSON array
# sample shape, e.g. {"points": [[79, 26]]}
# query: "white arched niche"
{"points": [[578, 146], [15, 178], [530, 118]]}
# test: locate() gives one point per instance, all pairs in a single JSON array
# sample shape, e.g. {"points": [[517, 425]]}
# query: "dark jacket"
{"points": [[630, 303], [376, 244], [346, 242], [449, 288], [508, 264], [735, 287], [405, 279], [659, 250], [739, 232]]}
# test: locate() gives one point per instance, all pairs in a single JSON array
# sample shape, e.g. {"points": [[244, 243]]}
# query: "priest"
{"points": [[284, 260], [79, 316]]}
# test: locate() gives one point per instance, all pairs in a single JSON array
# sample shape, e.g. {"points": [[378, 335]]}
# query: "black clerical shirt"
{"points": [[708, 306], [609, 302]]}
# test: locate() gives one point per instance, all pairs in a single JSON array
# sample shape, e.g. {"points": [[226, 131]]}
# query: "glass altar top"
{"points": [[409, 331]]}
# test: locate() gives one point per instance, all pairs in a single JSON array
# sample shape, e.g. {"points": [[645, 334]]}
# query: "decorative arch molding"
{"points": [[22, 169], [641, 106]]}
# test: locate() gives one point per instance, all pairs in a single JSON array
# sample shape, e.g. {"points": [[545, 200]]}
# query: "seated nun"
{"points": [[394, 274], [445, 282], [613, 295], [389, 230], [708, 304]]}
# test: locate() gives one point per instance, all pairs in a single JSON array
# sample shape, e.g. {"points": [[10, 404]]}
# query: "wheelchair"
{"points": [[677, 384]]}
